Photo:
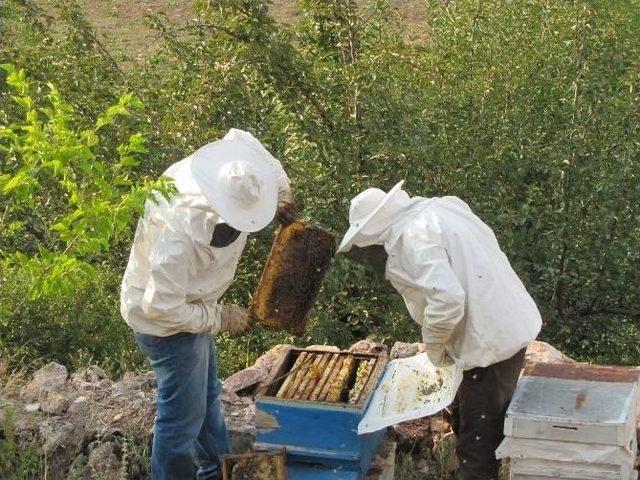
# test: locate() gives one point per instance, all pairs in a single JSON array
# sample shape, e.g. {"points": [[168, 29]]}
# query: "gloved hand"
{"points": [[436, 353], [287, 210], [234, 319]]}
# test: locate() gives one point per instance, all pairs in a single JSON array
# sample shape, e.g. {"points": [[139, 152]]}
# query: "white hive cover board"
{"points": [[573, 410]]}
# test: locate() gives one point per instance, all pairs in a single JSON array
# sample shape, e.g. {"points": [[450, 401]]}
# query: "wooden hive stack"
{"points": [[572, 422]]}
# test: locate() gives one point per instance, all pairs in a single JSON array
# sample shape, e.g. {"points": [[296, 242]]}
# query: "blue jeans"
{"points": [[190, 433]]}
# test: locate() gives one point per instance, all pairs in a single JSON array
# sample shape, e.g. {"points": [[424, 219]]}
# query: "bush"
{"points": [[525, 109]]}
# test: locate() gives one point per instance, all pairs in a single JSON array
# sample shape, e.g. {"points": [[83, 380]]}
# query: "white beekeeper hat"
{"points": [[367, 207], [238, 181]]}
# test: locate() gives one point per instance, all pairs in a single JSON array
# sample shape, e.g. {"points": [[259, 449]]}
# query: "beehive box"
{"points": [[530, 469], [312, 409], [575, 403], [292, 276]]}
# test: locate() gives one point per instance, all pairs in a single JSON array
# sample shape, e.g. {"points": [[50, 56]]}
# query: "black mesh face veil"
{"points": [[374, 256], [223, 235]]}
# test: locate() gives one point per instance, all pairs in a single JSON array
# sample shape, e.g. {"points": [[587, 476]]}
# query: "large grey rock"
{"points": [[245, 380], [55, 403], [324, 348], [56, 434], [383, 464], [268, 360], [132, 382], [103, 462], [51, 377], [239, 415], [543, 352], [405, 350], [368, 346]]}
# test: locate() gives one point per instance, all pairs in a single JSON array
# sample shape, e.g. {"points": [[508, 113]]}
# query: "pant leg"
{"points": [[181, 364], [213, 439], [479, 411]]}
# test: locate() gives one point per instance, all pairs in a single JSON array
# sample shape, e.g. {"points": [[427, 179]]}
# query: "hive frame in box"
{"points": [[226, 462], [315, 432]]}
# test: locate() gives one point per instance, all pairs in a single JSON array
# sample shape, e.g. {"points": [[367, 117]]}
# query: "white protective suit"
{"points": [[174, 278], [455, 280]]}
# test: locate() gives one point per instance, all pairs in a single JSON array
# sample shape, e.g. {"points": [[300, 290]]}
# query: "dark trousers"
{"points": [[478, 416]]}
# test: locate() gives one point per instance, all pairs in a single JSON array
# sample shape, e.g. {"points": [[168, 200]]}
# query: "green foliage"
{"points": [[18, 462], [525, 109]]}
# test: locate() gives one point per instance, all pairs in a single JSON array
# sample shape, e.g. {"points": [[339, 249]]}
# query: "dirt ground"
{"points": [[121, 23]]}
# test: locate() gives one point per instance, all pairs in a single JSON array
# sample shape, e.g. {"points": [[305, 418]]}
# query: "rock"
{"points": [[543, 352], [271, 357], [239, 414], [383, 464], [55, 434], [32, 407], [145, 382], [413, 434], [93, 374], [367, 346], [324, 348], [103, 462], [244, 380], [404, 350], [55, 403], [51, 377]]}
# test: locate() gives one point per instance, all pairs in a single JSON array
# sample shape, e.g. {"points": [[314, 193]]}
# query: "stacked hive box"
{"points": [[573, 421]]}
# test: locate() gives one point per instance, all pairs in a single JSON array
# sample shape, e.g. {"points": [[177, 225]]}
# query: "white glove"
{"points": [[234, 319], [435, 352]]}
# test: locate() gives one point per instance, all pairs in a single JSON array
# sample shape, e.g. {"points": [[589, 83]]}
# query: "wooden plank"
{"points": [[300, 376], [317, 373], [340, 384], [278, 372], [313, 360], [332, 376], [325, 376], [292, 374], [363, 373], [311, 377]]}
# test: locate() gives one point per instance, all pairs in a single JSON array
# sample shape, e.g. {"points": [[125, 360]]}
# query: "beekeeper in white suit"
{"points": [[459, 287], [184, 257]]}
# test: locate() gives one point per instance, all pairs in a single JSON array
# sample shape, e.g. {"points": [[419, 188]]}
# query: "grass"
{"points": [[18, 462]]}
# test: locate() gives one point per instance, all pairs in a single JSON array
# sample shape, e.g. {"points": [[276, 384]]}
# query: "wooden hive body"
{"points": [[573, 421], [319, 436]]}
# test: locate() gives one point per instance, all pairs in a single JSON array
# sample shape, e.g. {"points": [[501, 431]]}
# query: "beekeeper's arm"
{"points": [[173, 261], [287, 206], [426, 264]]}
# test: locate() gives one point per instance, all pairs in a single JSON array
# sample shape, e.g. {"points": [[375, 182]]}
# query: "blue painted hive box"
{"points": [[312, 406]]}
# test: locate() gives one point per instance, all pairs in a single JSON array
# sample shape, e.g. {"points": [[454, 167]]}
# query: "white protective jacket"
{"points": [[174, 278], [457, 283]]}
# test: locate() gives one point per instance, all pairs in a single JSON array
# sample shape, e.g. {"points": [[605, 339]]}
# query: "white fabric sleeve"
{"points": [[173, 261], [426, 264]]}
